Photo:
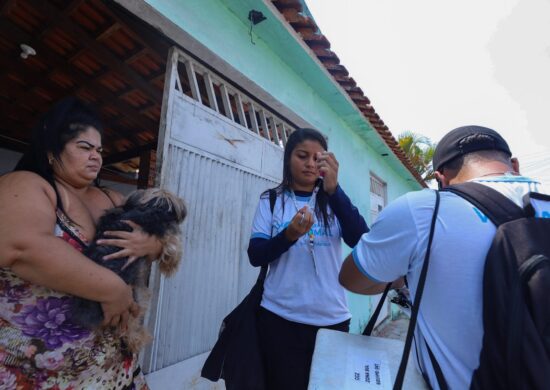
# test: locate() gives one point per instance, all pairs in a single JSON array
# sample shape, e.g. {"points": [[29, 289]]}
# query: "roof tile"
{"points": [[319, 44]]}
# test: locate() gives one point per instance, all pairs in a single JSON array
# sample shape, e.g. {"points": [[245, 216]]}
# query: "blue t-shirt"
{"points": [[450, 317]]}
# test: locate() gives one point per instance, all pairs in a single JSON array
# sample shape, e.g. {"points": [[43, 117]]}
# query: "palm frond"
{"points": [[419, 149]]}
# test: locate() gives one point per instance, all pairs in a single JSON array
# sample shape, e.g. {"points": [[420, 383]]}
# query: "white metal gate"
{"points": [[218, 158]]}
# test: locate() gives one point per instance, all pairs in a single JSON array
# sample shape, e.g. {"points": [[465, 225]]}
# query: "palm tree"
{"points": [[419, 149]]}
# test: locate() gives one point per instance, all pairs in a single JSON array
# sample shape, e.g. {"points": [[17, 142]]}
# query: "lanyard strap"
{"points": [[311, 207], [312, 200], [310, 204]]}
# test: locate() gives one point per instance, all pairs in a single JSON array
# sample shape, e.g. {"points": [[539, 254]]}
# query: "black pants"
{"points": [[287, 349]]}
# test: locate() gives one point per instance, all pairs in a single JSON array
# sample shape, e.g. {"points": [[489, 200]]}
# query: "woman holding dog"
{"points": [[48, 211], [301, 242]]}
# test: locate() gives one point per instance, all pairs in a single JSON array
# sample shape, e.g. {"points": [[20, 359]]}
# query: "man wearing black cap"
{"points": [[450, 318], [472, 152]]}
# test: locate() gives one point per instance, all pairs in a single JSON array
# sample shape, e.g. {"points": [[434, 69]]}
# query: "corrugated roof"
{"points": [[295, 14]]}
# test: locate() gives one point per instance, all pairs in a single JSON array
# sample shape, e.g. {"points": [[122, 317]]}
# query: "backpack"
{"points": [[515, 351]]}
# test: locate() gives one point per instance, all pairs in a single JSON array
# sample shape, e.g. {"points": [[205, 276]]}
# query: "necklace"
{"points": [[311, 208]]}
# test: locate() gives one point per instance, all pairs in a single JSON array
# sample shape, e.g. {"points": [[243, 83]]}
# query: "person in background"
{"points": [[450, 320], [49, 208], [301, 242]]}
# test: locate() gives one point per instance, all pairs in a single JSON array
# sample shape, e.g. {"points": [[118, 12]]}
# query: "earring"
{"points": [[50, 161]]}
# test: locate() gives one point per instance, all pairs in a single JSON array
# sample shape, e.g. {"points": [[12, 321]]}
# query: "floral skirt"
{"points": [[41, 348]]}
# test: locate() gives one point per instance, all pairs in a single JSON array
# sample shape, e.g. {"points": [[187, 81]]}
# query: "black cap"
{"points": [[467, 139]]}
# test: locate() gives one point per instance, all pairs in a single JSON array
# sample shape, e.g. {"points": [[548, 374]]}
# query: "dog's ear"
{"points": [[159, 199], [180, 209], [134, 200], [176, 205]]}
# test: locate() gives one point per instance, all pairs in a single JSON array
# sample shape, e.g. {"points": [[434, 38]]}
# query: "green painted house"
{"points": [[216, 96], [257, 82]]}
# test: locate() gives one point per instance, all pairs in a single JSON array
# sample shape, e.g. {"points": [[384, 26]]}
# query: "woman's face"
{"points": [[80, 158], [303, 165]]}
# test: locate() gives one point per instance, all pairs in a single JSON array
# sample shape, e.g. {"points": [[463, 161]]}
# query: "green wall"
{"points": [[281, 66]]}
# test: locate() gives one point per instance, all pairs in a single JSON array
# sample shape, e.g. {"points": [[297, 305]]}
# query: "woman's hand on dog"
{"points": [[134, 244], [117, 310]]}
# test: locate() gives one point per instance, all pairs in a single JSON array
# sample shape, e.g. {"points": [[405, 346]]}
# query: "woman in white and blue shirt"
{"points": [[301, 242]]}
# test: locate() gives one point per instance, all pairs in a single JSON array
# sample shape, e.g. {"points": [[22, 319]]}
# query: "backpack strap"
{"points": [[400, 377], [272, 200], [497, 207], [437, 370], [531, 203], [374, 317]]}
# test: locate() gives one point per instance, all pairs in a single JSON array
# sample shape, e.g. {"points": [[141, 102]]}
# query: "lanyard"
{"points": [[311, 208]]}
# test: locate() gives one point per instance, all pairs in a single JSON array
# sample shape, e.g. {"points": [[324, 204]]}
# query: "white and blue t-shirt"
{"points": [[293, 288], [450, 317]]}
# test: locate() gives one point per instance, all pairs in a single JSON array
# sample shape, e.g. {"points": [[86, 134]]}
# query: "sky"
{"points": [[429, 66]]}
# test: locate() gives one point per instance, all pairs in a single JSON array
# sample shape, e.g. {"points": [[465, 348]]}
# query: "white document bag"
{"points": [[344, 361]]}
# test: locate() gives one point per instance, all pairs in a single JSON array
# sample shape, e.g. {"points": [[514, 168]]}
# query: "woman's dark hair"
{"points": [[296, 137], [62, 123]]}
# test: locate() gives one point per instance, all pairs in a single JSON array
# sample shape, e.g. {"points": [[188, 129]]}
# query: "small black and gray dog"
{"points": [[158, 212]]}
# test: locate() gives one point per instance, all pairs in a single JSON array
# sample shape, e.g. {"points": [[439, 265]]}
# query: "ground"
{"points": [[393, 329]]}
